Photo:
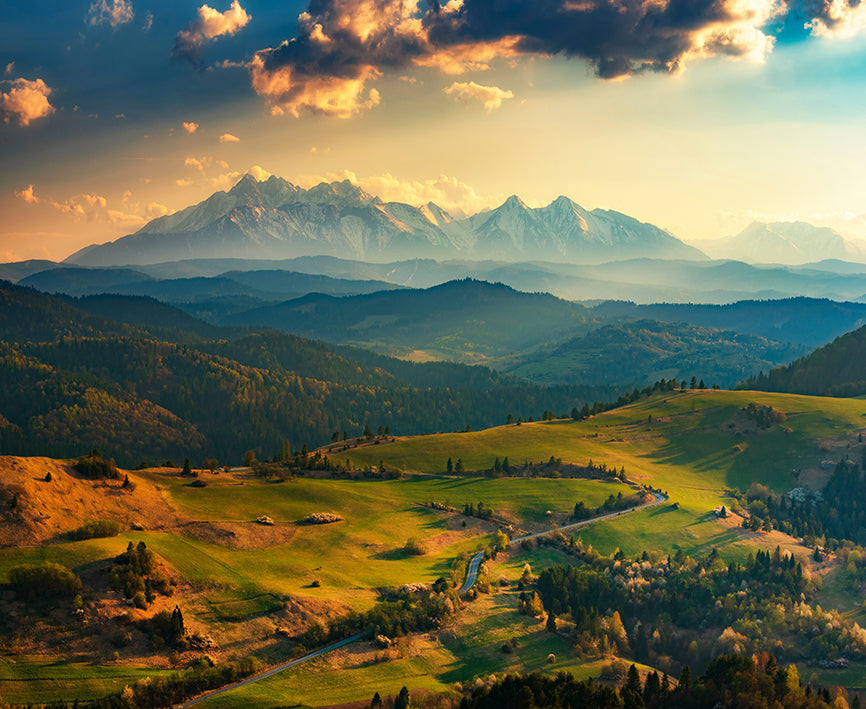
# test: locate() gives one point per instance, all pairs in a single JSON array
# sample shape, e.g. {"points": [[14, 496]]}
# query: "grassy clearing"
{"points": [[682, 442], [33, 679], [469, 649]]}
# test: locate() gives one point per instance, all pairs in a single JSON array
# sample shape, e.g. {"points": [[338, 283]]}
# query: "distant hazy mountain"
{"points": [[264, 285], [466, 320], [275, 219], [785, 243]]}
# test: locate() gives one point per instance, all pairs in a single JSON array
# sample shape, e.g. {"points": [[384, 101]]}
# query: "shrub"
{"points": [[46, 580], [95, 529], [415, 547], [95, 467]]}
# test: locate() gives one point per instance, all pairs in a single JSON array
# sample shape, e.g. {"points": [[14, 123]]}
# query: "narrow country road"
{"points": [[272, 671], [475, 562], [471, 577]]}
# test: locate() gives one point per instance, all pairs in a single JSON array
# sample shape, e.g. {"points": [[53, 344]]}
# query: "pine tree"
{"points": [[685, 678], [402, 700], [449, 466], [187, 468]]}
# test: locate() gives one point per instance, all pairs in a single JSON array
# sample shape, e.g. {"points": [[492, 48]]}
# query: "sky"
{"points": [[699, 116]]}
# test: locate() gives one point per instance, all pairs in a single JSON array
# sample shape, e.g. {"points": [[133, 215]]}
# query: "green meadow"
{"points": [[693, 445]]}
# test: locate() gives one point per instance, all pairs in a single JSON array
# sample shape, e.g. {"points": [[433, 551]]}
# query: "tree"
{"points": [[510, 420], [249, 458], [187, 468], [723, 512], [550, 625], [377, 701], [177, 627], [286, 451], [402, 700], [505, 467], [459, 469], [631, 693], [449, 466], [694, 383], [685, 678]]}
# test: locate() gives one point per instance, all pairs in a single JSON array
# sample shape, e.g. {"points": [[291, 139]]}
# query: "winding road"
{"points": [[475, 562], [471, 577], [272, 671]]}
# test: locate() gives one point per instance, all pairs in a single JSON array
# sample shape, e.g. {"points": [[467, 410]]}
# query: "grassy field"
{"points": [[470, 649], [694, 445], [25, 680]]}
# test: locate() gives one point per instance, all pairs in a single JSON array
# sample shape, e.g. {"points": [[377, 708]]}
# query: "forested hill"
{"points": [[837, 369], [71, 381], [465, 319]]}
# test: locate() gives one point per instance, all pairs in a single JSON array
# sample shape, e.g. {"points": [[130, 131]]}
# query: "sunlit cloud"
{"points": [[204, 163], [190, 127], [190, 41], [342, 45], [95, 208], [148, 22], [25, 101], [27, 195], [490, 96], [229, 138], [453, 195], [114, 13], [838, 18], [10, 67], [230, 179]]}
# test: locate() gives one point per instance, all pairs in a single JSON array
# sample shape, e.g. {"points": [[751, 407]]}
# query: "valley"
{"points": [[458, 473], [252, 588]]}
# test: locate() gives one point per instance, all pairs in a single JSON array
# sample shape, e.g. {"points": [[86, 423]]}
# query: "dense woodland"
{"points": [[71, 381], [658, 609], [835, 369]]}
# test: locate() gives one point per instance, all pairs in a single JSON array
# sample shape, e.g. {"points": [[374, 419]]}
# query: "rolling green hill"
{"points": [[642, 352]]}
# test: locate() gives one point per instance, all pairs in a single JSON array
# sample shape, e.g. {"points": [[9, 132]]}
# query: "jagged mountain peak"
{"points": [[274, 218]]}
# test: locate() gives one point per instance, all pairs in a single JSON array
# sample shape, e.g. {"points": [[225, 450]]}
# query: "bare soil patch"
{"points": [[240, 535]]}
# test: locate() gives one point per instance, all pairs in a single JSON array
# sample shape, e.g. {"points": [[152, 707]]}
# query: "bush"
{"points": [[95, 529], [95, 467], [415, 547], [46, 580]]}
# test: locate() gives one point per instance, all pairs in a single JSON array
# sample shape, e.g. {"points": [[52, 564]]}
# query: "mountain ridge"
{"points": [[276, 219]]}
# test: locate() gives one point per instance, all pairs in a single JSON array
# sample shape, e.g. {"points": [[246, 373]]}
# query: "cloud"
{"points": [[229, 179], [95, 208], [190, 127], [25, 101], [190, 41], [114, 13], [148, 22], [229, 138], [449, 193], [204, 163], [838, 18], [491, 96], [10, 67], [27, 195], [342, 45]]}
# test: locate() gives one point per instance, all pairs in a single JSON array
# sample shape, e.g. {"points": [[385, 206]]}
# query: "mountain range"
{"points": [[791, 243], [275, 219]]}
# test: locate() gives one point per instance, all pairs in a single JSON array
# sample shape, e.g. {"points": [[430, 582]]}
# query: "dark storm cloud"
{"points": [[340, 44]]}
